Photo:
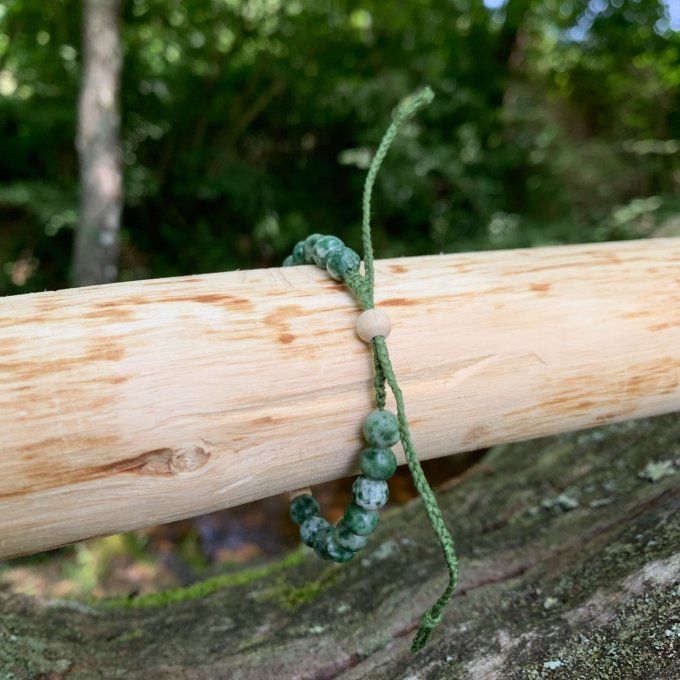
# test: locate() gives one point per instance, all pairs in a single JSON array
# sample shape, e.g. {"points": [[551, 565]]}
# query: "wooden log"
{"points": [[569, 569], [137, 403]]}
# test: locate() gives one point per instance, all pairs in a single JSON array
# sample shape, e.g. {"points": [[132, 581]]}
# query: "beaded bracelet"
{"points": [[382, 429]]}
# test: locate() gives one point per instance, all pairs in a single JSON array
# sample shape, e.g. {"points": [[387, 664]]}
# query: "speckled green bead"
{"points": [[326, 547], [370, 494], [336, 552], [359, 520], [323, 247], [310, 528], [288, 262], [381, 429], [341, 261], [378, 463], [299, 253], [348, 539], [323, 536], [303, 507], [310, 242]]}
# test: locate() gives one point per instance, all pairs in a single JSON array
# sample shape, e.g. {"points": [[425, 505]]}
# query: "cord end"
{"points": [[410, 104], [428, 623]]}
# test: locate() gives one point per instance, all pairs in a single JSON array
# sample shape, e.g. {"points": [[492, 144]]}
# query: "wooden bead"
{"points": [[305, 491], [372, 323]]}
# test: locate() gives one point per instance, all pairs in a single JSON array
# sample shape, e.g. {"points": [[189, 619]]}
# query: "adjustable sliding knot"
{"points": [[382, 429]]}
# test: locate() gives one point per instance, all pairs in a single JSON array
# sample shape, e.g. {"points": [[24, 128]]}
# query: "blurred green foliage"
{"points": [[248, 124]]}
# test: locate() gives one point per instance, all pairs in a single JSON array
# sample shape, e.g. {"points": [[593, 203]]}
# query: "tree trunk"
{"points": [[570, 568], [97, 241]]}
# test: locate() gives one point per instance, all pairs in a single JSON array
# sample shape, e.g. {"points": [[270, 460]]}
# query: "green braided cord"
{"points": [[434, 615], [379, 382], [405, 110], [362, 287]]}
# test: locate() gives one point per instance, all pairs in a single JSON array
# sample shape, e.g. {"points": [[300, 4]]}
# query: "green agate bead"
{"points": [[303, 507], [323, 247], [321, 540], [310, 528], [348, 539], [381, 429], [336, 552], [288, 262], [310, 242], [325, 546], [341, 261], [370, 494], [299, 253], [359, 520], [378, 463]]}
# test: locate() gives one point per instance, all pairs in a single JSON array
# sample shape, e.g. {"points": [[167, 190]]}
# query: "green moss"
{"points": [[290, 597], [206, 587]]}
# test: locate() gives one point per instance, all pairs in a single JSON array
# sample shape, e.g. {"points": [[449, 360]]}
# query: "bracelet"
{"points": [[382, 429]]}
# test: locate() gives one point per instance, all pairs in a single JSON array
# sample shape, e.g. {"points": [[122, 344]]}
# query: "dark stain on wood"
{"points": [[548, 267], [398, 268], [659, 376], [215, 299], [105, 353], [263, 420], [110, 311], [474, 435], [608, 417], [279, 321], [13, 322], [580, 395], [8, 345], [639, 313], [540, 288], [398, 302], [115, 380], [461, 267], [28, 370], [281, 316], [57, 444], [443, 298]]}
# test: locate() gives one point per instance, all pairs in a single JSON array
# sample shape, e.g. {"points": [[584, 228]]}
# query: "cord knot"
{"points": [[430, 620]]}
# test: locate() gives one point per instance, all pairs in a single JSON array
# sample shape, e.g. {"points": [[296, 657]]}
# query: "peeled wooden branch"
{"points": [[135, 403]]}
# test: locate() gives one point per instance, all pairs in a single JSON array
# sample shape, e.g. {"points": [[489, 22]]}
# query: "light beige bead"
{"points": [[306, 491], [373, 322]]}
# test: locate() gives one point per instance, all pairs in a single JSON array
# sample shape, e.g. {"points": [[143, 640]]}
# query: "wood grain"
{"points": [[130, 404]]}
